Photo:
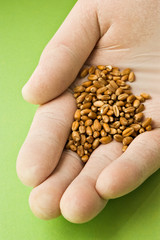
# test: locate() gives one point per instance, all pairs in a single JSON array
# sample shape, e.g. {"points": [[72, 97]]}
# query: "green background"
{"points": [[25, 29]]}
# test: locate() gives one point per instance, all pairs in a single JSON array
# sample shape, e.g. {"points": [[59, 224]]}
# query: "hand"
{"points": [[120, 33]]}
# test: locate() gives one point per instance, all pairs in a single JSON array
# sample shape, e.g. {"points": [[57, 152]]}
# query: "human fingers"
{"points": [[44, 199], [44, 144], [141, 159], [81, 201], [64, 55]]}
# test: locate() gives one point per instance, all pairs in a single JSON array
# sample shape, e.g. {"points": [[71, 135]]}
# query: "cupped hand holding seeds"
{"points": [[125, 34]]}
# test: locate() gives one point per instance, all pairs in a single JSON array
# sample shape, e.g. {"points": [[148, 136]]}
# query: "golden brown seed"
{"points": [[146, 122], [88, 122], [97, 125], [116, 110], [119, 91], [122, 96], [129, 110], [85, 158], [95, 144], [93, 89], [101, 90], [105, 118], [112, 89], [123, 121], [86, 105], [98, 73], [90, 139], [145, 95], [113, 97], [138, 117], [109, 76], [92, 77], [87, 84], [89, 130], [136, 103], [97, 84], [106, 140], [87, 146], [96, 134], [85, 111], [75, 125], [149, 128], [70, 142], [104, 109], [98, 104], [113, 131], [125, 71], [82, 129], [110, 112], [92, 70], [113, 84], [75, 136], [124, 148], [79, 89], [118, 137], [80, 150], [127, 140], [92, 115], [126, 87], [101, 67], [131, 77], [103, 133], [130, 121], [76, 95], [115, 124], [140, 98], [140, 108], [120, 103], [88, 97], [141, 130], [84, 118], [115, 72], [84, 73], [120, 83], [108, 68], [124, 78], [83, 139], [127, 132], [130, 98], [136, 126], [77, 115], [81, 97], [106, 127], [73, 148]]}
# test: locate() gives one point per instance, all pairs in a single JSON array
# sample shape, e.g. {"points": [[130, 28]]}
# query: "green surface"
{"points": [[25, 28]]}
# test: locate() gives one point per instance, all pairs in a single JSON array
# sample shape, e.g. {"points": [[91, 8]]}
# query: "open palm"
{"points": [[120, 33]]}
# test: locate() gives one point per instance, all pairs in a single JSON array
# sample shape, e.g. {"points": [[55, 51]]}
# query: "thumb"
{"points": [[64, 55]]}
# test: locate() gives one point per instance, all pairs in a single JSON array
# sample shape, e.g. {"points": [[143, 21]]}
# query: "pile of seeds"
{"points": [[106, 110]]}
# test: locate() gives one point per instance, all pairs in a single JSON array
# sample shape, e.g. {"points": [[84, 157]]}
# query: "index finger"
{"points": [[64, 55]]}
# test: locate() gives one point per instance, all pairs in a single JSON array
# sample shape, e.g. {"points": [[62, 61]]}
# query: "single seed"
{"points": [[128, 131], [97, 125], [136, 103], [123, 121], [98, 104], [89, 130], [77, 115], [145, 95], [80, 150], [95, 144], [92, 115], [101, 67], [84, 73], [127, 140], [129, 110], [131, 77], [90, 139], [136, 126], [138, 117], [75, 136], [82, 129], [124, 148], [92, 77], [141, 130], [118, 137], [146, 122], [87, 84], [106, 127], [103, 133], [101, 90], [92, 70], [116, 111], [149, 128], [73, 148], [106, 140], [96, 134], [79, 89], [88, 122], [122, 96], [140, 108], [75, 125], [86, 105], [125, 71], [83, 139], [130, 98], [85, 158]]}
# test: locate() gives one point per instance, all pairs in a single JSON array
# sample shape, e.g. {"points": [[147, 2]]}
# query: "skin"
{"points": [[120, 33]]}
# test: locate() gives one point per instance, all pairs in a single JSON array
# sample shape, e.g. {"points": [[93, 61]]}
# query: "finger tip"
{"points": [[81, 205], [44, 205]]}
